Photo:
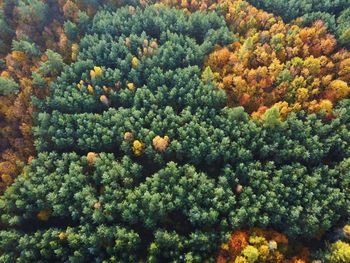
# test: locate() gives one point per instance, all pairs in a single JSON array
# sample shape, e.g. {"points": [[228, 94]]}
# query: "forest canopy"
{"points": [[174, 131], [335, 14]]}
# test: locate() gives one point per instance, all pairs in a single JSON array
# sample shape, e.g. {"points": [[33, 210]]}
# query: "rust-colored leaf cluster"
{"points": [[258, 245]]}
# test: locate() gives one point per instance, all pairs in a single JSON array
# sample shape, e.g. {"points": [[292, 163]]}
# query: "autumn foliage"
{"points": [[258, 245], [278, 64], [16, 146], [31, 27], [274, 63]]}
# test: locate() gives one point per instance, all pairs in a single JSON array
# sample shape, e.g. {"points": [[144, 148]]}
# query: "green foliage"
{"points": [[80, 244], [182, 204], [38, 80], [71, 30], [300, 8], [176, 46], [271, 118], [344, 27], [33, 12], [53, 65], [26, 46], [8, 86], [222, 142], [207, 75], [6, 33], [79, 28]]}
